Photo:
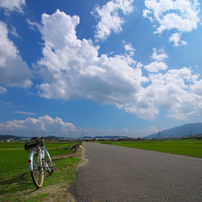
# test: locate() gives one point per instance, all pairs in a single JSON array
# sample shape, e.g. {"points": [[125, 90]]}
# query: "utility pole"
{"points": [[70, 138], [82, 133], [190, 131], [159, 135], [70, 134]]}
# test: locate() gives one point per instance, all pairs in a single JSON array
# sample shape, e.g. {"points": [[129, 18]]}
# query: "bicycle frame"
{"points": [[41, 154]]}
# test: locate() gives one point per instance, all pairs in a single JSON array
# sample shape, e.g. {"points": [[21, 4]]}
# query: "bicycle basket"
{"points": [[30, 144]]}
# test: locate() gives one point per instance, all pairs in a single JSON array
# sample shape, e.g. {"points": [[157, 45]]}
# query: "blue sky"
{"points": [[119, 67]]}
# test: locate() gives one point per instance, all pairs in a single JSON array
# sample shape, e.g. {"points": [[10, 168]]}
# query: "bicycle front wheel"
{"points": [[49, 162], [37, 173]]}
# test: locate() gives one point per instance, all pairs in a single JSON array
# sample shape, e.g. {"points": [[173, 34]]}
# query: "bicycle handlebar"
{"points": [[47, 138], [41, 138], [33, 138]]}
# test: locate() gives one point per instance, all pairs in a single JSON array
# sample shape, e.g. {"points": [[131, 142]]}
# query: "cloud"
{"points": [[70, 63], [44, 124], [13, 5], [26, 113], [71, 69], [148, 131], [146, 14], [13, 31], [143, 109], [13, 70], [125, 129], [173, 14], [5, 103], [156, 66], [173, 92], [197, 87], [2, 90], [109, 17], [7, 48], [129, 48], [159, 57], [180, 15], [176, 39]]}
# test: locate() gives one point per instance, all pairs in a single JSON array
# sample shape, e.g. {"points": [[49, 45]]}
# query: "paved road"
{"points": [[119, 174]]}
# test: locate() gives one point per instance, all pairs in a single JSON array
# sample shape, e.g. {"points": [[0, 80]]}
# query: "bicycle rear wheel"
{"points": [[49, 162], [37, 173]]}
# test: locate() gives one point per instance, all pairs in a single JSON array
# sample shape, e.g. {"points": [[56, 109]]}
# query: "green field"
{"points": [[14, 158], [19, 186], [15, 179], [190, 147]]}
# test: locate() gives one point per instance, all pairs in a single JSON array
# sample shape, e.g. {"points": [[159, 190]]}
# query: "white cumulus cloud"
{"points": [[71, 69], [2, 90], [45, 124], [176, 39], [172, 92], [13, 70], [129, 48], [157, 65], [197, 87], [182, 15], [159, 57], [109, 17], [173, 14], [12, 5]]}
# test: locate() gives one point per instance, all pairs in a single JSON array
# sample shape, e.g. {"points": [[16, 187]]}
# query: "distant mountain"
{"points": [[180, 131], [6, 137], [56, 138]]}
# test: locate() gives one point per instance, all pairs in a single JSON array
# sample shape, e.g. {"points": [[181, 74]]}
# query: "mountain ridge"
{"points": [[179, 131]]}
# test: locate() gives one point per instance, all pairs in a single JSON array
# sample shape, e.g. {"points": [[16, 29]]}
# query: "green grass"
{"points": [[66, 171], [12, 144], [14, 158], [15, 179], [19, 186], [12, 161], [190, 147]]}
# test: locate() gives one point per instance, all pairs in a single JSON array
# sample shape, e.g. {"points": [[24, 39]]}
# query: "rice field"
{"points": [[14, 158], [190, 147]]}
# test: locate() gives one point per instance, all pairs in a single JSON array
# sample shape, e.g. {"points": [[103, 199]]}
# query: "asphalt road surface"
{"points": [[119, 174]]}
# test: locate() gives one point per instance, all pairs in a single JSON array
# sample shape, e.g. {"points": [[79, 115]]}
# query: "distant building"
{"points": [[10, 140]]}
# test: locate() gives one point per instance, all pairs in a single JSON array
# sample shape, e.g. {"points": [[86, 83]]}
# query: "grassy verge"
{"points": [[15, 178], [189, 147], [19, 186]]}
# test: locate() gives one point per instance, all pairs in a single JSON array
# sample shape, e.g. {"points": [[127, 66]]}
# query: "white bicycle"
{"points": [[39, 160]]}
